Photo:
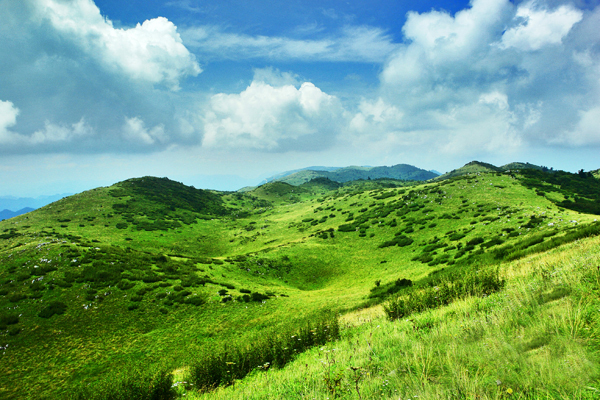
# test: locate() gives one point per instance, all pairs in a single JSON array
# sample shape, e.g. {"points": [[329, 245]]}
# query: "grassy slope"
{"points": [[538, 338], [50, 355]]}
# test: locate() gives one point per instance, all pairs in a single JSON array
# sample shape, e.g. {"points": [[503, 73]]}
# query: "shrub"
{"points": [[16, 297], [54, 307], [475, 241], [9, 319], [137, 385], [196, 300], [446, 290], [124, 284], [259, 296], [399, 240], [14, 331]]}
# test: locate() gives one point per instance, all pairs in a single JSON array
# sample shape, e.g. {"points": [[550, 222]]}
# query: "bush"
{"points": [[196, 300], [259, 296], [9, 319], [54, 307], [399, 240], [14, 331], [446, 290], [130, 386], [124, 284]]}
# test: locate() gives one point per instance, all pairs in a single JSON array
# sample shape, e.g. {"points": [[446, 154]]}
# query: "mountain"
{"points": [[481, 167], [6, 214], [18, 203], [286, 173], [352, 173], [109, 292]]}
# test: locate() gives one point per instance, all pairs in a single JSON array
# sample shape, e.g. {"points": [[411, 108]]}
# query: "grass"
{"points": [[122, 297], [537, 338]]}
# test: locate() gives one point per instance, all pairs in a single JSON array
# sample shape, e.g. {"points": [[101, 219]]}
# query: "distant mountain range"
{"points": [[6, 214], [16, 204], [352, 173]]}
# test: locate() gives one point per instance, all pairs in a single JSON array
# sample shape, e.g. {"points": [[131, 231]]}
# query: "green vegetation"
{"points": [[130, 290]]}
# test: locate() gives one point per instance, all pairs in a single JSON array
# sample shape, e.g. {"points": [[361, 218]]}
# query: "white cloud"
{"points": [[272, 117], [61, 133], [51, 133], [135, 131], [376, 118], [152, 51], [353, 43], [471, 83], [539, 28], [586, 132]]}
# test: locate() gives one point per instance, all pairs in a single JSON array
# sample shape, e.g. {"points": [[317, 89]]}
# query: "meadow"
{"points": [[483, 285]]}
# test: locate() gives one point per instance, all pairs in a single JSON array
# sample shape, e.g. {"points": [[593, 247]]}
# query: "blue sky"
{"points": [[221, 94]]}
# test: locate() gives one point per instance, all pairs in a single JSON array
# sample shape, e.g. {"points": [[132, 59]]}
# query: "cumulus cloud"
{"points": [[275, 118], [8, 118], [135, 130], [152, 51], [353, 43], [586, 132], [538, 28], [495, 77], [51, 133]]}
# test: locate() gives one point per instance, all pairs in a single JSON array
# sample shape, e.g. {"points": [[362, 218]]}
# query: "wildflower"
{"points": [[509, 391]]}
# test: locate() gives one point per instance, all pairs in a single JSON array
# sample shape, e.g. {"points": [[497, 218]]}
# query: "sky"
{"points": [[222, 94]]}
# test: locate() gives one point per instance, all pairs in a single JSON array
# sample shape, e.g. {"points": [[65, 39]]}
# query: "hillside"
{"points": [[150, 275], [353, 173]]}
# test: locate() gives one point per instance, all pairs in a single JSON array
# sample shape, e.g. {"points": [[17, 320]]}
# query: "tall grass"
{"points": [[216, 368]]}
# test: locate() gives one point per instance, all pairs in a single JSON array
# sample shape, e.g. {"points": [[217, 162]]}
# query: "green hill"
{"points": [[115, 288], [347, 174], [480, 167]]}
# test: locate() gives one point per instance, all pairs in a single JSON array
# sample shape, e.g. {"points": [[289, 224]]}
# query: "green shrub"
{"points": [[399, 240], [14, 331], [446, 289], [137, 385], [256, 296], [11, 319], [54, 307], [124, 284], [196, 300], [475, 241]]}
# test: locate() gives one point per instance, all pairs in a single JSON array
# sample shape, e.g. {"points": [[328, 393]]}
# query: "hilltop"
{"points": [[150, 275], [353, 173], [478, 167]]}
